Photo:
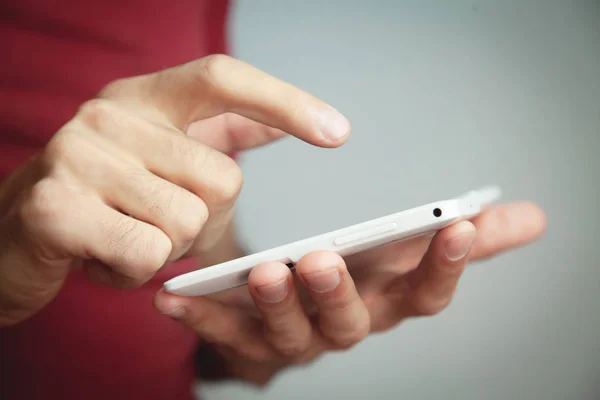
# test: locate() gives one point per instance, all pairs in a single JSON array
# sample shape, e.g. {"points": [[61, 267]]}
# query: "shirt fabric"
{"points": [[93, 342]]}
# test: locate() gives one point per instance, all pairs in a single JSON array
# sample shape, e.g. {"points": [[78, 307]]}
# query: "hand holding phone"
{"points": [[423, 220]]}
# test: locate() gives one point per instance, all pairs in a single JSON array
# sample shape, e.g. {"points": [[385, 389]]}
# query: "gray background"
{"points": [[443, 97]]}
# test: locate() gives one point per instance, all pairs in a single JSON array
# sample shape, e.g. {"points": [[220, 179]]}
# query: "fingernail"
{"points": [[458, 247], [169, 306], [332, 124], [275, 292], [323, 282]]}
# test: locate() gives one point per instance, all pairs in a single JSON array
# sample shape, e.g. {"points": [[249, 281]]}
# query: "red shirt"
{"points": [[93, 342]]}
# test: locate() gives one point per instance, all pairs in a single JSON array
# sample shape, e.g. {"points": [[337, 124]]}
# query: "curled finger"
{"points": [[343, 317], [433, 282], [286, 326]]}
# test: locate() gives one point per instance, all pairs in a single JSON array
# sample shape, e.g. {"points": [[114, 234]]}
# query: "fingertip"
{"points": [[455, 230], [455, 242], [465, 228], [322, 272], [168, 304], [319, 261], [537, 217], [269, 282], [333, 128], [268, 273]]}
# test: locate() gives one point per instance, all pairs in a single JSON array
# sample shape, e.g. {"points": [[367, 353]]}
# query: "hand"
{"points": [[122, 183], [330, 303]]}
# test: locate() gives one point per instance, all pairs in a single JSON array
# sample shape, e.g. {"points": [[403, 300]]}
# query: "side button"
{"points": [[365, 234]]}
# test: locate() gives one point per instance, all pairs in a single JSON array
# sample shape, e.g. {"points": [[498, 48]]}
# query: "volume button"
{"points": [[365, 234]]}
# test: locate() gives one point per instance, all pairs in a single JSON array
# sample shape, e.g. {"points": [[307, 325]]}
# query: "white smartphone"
{"points": [[423, 220]]}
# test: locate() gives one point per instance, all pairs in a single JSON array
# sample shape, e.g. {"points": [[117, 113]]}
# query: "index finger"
{"points": [[217, 84]]}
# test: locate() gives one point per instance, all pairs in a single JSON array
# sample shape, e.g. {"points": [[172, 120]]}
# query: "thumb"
{"points": [[230, 133]]}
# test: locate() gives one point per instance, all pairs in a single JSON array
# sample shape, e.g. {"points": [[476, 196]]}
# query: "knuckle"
{"points": [[119, 239], [213, 67], [292, 348], [350, 337], [61, 149], [141, 252], [431, 306], [195, 156], [191, 223], [230, 182], [68, 152], [225, 175], [116, 88], [154, 251], [43, 205], [199, 157], [187, 150], [95, 112], [184, 212], [158, 196]]}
